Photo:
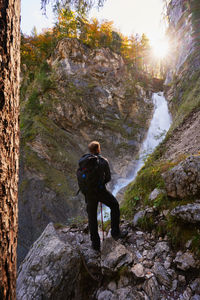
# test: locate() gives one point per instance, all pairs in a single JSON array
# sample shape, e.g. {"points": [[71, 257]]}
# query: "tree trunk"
{"points": [[9, 143]]}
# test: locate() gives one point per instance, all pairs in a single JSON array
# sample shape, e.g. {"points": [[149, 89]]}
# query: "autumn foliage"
{"points": [[36, 48]]}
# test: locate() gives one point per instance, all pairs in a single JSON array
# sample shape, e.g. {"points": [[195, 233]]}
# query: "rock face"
{"points": [[183, 34], [182, 80], [62, 265], [48, 264], [184, 179], [189, 213], [80, 95]]}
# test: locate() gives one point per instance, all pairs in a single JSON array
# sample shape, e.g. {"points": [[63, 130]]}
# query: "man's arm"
{"points": [[107, 172]]}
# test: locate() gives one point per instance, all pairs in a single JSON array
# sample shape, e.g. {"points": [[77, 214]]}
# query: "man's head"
{"points": [[94, 147]]}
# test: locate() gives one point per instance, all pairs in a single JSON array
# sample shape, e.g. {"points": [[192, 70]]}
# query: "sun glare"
{"points": [[160, 48]]}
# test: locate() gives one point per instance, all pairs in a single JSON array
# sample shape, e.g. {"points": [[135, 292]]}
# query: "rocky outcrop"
{"points": [[184, 179], [183, 34], [62, 265], [80, 95], [188, 213]]}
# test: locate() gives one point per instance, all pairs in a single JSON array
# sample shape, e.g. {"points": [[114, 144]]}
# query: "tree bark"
{"points": [[9, 143]]}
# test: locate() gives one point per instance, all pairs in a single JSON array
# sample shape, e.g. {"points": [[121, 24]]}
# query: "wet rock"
{"points": [[184, 261], [184, 179], [189, 213], [114, 256], [161, 274], [151, 288]]}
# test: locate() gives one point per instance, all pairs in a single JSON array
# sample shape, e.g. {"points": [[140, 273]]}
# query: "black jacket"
{"points": [[105, 169]]}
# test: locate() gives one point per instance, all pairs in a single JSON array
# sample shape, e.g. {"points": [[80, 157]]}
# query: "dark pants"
{"points": [[92, 199]]}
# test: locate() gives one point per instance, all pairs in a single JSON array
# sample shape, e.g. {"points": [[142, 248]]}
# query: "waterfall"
{"points": [[158, 128]]}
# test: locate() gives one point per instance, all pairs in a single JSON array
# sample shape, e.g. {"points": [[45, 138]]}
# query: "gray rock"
{"points": [[195, 297], [161, 247], [174, 285], [187, 294], [181, 279], [127, 293], [184, 179], [138, 270], [112, 286], [114, 256], [184, 261], [155, 193], [49, 265], [105, 295], [123, 282], [189, 213], [151, 288], [161, 274], [140, 214], [195, 286]]}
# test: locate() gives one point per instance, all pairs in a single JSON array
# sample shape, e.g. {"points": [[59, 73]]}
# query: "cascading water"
{"points": [[158, 128]]}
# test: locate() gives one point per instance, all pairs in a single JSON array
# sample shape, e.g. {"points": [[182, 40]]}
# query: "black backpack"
{"points": [[88, 174]]}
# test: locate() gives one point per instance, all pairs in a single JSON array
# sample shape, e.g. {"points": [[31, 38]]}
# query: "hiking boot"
{"points": [[121, 235]]}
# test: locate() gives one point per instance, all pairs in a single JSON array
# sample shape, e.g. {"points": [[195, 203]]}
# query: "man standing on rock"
{"points": [[95, 170]]}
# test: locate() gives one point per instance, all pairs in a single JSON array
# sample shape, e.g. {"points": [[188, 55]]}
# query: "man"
{"points": [[100, 194]]}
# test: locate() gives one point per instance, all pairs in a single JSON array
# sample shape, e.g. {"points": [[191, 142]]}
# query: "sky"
{"points": [[129, 16]]}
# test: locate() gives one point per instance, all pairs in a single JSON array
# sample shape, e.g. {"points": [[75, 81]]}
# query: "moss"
{"points": [[146, 223], [78, 221], [53, 178], [59, 226], [179, 233], [147, 180], [22, 186]]}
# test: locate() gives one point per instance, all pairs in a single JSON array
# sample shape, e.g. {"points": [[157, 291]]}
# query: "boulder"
{"points": [[140, 214], [185, 261], [189, 213], [114, 256], [184, 179], [49, 269]]}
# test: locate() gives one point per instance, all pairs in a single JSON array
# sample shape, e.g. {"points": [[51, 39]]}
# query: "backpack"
{"points": [[88, 174]]}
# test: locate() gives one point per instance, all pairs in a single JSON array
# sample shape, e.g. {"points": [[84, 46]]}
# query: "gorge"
{"points": [[82, 94]]}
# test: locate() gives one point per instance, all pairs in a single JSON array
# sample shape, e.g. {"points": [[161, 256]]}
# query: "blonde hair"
{"points": [[94, 147]]}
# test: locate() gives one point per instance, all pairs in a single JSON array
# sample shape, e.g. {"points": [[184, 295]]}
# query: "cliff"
{"points": [[78, 95], [165, 194]]}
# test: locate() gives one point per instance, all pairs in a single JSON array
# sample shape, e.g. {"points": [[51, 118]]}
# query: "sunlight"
{"points": [[160, 48]]}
